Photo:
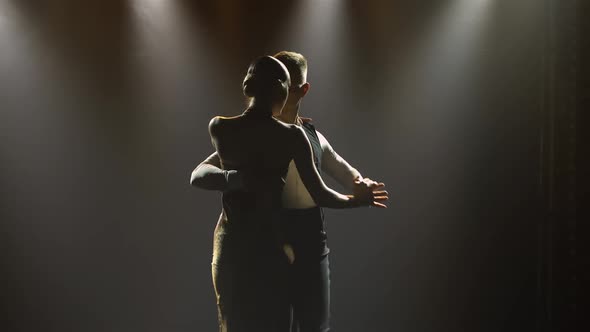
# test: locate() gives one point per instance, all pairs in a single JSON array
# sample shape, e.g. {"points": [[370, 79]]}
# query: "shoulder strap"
{"points": [[314, 139]]}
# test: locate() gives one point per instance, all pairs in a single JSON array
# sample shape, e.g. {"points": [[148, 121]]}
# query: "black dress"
{"points": [[249, 267]]}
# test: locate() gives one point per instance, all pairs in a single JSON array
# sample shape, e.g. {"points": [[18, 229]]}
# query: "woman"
{"points": [[249, 258]]}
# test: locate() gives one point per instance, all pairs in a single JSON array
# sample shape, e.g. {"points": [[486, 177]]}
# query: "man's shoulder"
{"points": [[306, 120], [308, 123]]}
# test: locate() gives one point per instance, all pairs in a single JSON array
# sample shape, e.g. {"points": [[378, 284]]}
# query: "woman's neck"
{"points": [[260, 109]]}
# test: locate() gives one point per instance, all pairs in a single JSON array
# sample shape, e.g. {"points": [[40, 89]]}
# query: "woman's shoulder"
{"points": [[218, 122], [292, 132], [218, 119]]}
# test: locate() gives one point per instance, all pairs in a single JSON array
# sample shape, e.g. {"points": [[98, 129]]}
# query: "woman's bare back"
{"points": [[251, 142], [261, 145]]}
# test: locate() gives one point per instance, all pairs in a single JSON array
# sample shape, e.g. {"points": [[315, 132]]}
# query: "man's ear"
{"points": [[305, 88]]}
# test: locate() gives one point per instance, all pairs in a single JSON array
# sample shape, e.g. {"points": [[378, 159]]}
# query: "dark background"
{"points": [[455, 105]]}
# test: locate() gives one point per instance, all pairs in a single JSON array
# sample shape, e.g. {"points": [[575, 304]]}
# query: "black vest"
{"points": [[306, 228], [316, 146]]}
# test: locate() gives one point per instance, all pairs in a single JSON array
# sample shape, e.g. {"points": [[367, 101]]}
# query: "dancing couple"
{"points": [[270, 263]]}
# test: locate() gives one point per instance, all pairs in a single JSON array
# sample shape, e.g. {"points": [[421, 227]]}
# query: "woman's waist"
{"points": [[307, 212], [235, 243]]}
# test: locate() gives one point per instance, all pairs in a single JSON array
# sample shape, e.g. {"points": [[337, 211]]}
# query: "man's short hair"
{"points": [[296, 64]]}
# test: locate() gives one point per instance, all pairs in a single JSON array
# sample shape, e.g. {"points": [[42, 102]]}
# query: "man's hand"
{"points": [[368, 192]]}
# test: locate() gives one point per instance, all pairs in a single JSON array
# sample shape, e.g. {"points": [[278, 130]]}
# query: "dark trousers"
{"points": [[309, 291], [309, 275]]}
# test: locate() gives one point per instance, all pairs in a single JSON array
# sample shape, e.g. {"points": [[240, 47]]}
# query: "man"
{"points": [[302, 220]]}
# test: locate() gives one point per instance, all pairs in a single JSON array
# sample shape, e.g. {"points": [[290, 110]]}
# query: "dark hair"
{"points": [[267, 79], [296, 64]]}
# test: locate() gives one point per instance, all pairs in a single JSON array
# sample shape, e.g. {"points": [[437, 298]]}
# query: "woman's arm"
{"points": [[209, 175], [214, 127]]}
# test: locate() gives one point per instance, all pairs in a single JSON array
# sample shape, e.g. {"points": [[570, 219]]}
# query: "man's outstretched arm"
{"points": [[335, 166], [339, 169], [208, 175]]}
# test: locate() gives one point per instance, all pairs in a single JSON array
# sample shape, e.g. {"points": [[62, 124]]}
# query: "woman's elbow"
{"points": [[195, 179]]}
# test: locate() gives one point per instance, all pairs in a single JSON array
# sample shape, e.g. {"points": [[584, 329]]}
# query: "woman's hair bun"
{"points": [[266, 77]]}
